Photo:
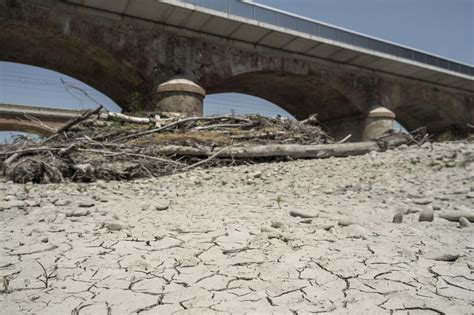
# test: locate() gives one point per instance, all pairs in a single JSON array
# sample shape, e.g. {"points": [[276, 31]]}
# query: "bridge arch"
{"points": [[70, 47], [299, 95]]}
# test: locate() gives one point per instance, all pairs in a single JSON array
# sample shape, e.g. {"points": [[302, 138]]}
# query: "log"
{"points": [[456, 215], [295, 151]]}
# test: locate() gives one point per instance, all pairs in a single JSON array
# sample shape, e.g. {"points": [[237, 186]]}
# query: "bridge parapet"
{"points": [[40, 120]]}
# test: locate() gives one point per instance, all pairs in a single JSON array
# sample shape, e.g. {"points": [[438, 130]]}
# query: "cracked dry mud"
{"points": [[223, 240]]}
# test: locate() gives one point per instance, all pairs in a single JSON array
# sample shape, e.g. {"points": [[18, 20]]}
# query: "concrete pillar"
{"points": [[379, 120], [180, 96]]}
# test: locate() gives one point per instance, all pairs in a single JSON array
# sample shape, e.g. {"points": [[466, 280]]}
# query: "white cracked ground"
{"points": [[226, 242]]}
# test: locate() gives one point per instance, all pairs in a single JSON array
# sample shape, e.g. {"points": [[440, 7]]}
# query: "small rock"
{"points": [[207, 177], [398, 218], [78, 213], [426, 215], [146, 207], [60, 218], [280, 225], [269, 230], [461, 191], [33, 203], [44, 239], [356, 231], [85, 204], [101, 184], [304, 215], [440, 256], [16, 204], [470, 195], [346, 222], [61, 203], [422, 201], [115, 226], [162, 205], [326, 227], [463, 222]]}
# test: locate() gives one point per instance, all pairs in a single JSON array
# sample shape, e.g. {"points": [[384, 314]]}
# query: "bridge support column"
{"points": [[379, 120], [180, 96]]}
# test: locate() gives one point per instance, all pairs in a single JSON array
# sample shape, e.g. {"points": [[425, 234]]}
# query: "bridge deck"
{"points": [[261, 25], [51, 113]]}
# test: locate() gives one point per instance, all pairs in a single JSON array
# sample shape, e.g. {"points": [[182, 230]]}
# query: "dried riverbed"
{"points": [[223, 239]]}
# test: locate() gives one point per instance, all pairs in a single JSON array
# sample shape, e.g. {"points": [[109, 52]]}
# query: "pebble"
{"points": [[346, 222], [101, 184], [304, 215], [470, 195], [16, 204], [463, 222], [356, 231], [44, 239], [115, 226], [162, 205], [280, 225], [270, 230], [439, 256], [78, 213], [398, 218], [85, 204], [426, 215], [61, 203], [422, 201]]}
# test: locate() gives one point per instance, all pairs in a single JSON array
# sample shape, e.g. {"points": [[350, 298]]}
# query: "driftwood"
{"points": [[125, 118], [179, 122], [79, 119], [455, 216], [184, 145], [294, 151]]}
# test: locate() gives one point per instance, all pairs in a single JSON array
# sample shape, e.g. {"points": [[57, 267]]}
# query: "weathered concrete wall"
{"points": [[119, 55]]}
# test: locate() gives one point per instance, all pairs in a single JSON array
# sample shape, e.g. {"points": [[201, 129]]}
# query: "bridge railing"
{"points": [[290, 21]]}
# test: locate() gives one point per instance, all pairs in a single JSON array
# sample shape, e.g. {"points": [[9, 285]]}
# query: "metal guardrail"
{"points": [[286, 20]]}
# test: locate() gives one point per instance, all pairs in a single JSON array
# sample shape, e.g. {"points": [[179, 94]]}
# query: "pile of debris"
{"points": [[112, 146]]}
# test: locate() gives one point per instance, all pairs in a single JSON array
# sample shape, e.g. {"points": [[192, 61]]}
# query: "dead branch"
{"points": [[206, 160], [176, 123], [39, 122], [79, 119], [218, 126], [125, 118], [158, 159]]}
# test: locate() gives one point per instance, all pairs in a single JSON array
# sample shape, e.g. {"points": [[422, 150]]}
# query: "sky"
{"points": [[443, 27]]}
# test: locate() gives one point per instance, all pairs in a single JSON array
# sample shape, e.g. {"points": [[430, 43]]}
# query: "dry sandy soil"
{"points": [[223, 240]]}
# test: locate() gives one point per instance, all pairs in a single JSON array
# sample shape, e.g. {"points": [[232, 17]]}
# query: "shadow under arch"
{"points": [[48, 48], [299, 95]]}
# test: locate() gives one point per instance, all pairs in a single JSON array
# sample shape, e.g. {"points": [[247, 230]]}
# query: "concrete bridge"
{"points": [[39, 120], [124, 46]]}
